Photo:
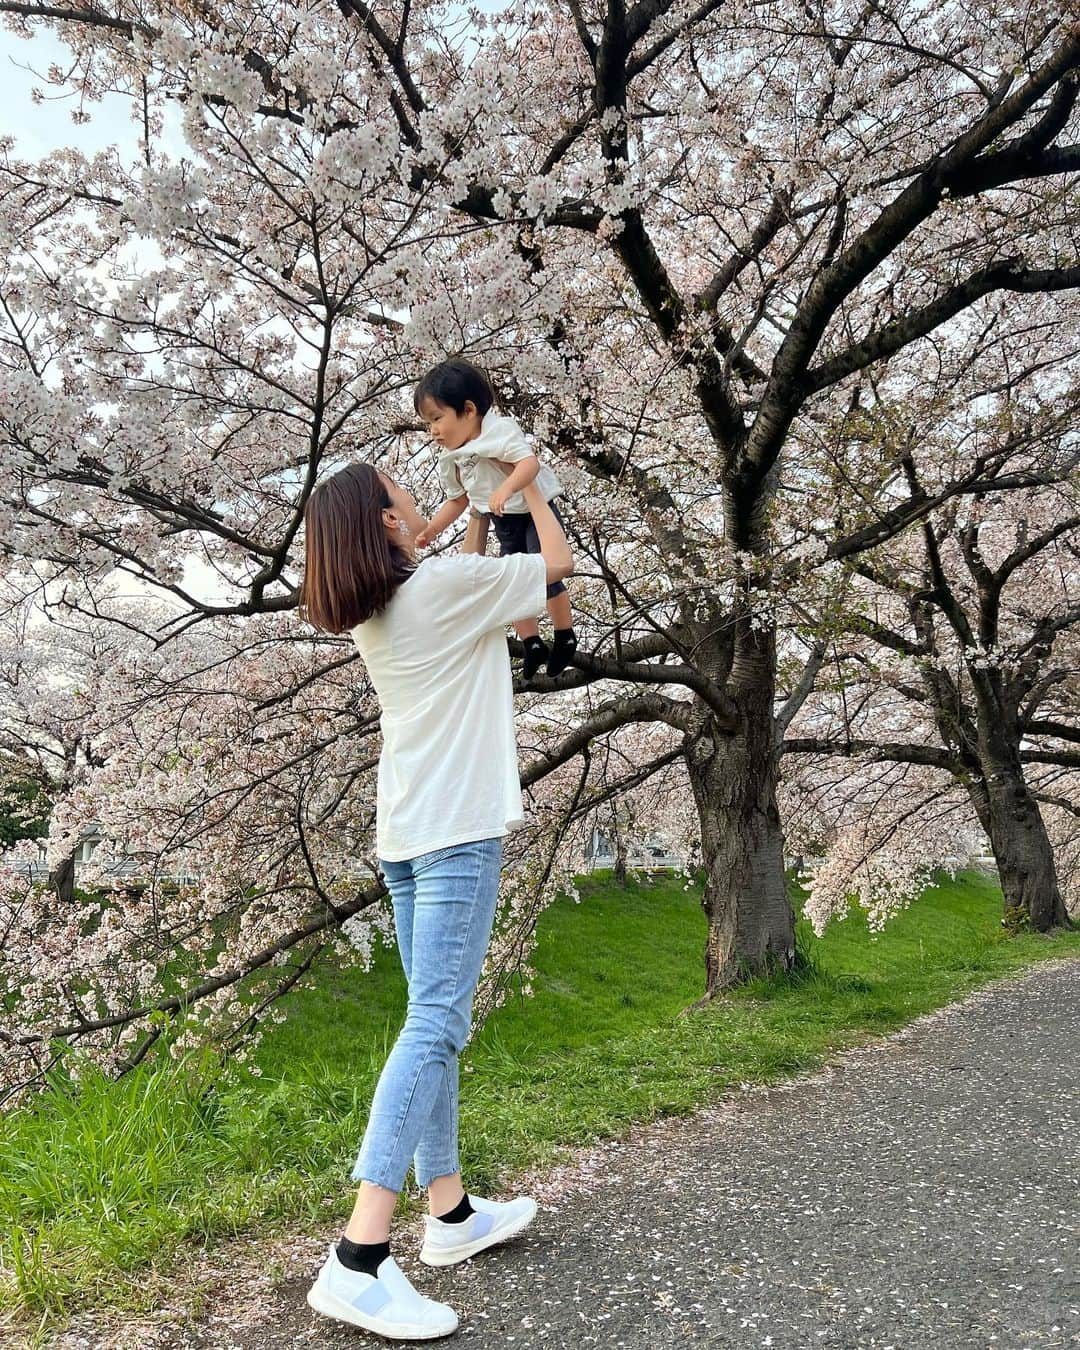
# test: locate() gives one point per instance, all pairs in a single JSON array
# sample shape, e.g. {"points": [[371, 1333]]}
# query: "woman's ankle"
{"points": [[366, 1235]]}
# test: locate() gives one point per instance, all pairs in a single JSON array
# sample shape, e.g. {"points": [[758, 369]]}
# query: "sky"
{"points": [[47, 126]]}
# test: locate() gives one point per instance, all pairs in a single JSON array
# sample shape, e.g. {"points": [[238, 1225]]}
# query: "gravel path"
{"points": [[921, 1193]]}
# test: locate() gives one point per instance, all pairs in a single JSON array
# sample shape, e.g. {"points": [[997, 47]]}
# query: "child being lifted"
{"points": [[456, 402]]}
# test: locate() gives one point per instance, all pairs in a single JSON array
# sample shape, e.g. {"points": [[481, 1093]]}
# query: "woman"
{"points": [[432, 636]]}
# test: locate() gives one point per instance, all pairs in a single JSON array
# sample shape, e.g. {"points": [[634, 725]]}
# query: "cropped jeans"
{"points": [[444, 907]]}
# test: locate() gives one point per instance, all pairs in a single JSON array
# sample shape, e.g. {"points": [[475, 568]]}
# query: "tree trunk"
{"points": [[1018, 840], [1011, 818], [746, 903], [62, 879], [620, 859]]}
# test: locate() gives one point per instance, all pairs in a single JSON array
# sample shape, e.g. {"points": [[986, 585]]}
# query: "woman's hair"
{"points": [[351, 569], [451, 383]]}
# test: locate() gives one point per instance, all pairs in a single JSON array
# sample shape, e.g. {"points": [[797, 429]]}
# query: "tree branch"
{"points": [[885, 750], [609, 717], [894, 223], [1045, 727], [891, 337]]}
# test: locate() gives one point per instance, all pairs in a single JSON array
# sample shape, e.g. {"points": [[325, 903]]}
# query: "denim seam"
{"points": [[452, 1167]]}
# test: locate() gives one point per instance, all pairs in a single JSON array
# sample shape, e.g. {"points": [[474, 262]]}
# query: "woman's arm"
{"points": [[553, 542], [476, 533]]}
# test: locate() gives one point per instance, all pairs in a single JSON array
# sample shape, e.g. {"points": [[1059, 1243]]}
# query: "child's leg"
{"points": [[564, 646], [559, 609], [558, 606], [512, 533]]}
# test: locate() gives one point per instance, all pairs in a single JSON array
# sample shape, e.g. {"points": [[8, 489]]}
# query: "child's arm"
{"points": [[523, 471], [444, 516]]}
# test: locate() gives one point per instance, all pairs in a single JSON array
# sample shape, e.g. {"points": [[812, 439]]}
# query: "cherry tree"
{"points": [[951, 648], [678, 236], [51, 676]]}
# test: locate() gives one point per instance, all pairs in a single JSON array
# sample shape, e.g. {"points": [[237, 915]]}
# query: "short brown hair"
{"points": [[351, 569]]}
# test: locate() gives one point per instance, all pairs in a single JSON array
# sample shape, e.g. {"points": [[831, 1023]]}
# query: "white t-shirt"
{"points": [[438, 659], [469, 468]]}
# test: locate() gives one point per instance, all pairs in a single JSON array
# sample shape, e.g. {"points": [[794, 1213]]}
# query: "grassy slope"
{"points": [[116, 1176]]}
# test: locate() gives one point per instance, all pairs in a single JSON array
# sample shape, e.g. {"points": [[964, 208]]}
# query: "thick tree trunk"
{"points": [[1008, 812], [986, 734], [751, 920], [1019, 842]]}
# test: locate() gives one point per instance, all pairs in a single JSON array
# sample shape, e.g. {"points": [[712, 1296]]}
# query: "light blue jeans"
{"points": [[444, 907]]}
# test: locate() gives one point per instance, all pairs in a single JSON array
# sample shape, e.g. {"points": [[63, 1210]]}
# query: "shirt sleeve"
{"points": [[508, 443], [504, 589], [449, 478]]}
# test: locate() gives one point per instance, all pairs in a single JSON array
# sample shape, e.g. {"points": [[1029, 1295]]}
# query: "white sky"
{"points": [[41, 128]]}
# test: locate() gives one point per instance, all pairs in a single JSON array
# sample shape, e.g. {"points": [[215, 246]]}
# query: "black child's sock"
{"points": [[459, 1213], [562, 651], [535, 651], [365, 1256]]}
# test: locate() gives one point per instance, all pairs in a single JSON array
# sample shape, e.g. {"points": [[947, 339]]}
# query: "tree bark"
{"points": [[62, 879], [620, 858], [1012, 821], [745, 897]]}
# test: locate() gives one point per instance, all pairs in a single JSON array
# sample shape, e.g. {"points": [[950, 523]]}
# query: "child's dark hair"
{"points": [[451, 383]]}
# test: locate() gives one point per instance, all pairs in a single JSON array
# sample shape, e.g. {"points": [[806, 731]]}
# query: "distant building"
{"points": [[650, 852], [120, 870]]}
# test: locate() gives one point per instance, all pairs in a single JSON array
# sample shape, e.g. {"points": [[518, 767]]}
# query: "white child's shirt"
{"points": [[438, 659], [469, 468]]}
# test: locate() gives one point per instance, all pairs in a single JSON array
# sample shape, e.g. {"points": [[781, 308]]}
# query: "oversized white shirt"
{"points": [[438, 659], [469, 468]]}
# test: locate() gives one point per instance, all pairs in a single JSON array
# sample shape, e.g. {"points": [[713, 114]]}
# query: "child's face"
{"points": [[449, 428]]}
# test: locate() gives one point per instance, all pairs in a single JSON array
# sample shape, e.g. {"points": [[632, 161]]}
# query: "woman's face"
{"points": [[402, 508]]}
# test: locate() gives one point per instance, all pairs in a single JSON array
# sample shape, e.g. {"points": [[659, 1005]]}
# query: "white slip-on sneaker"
{"points": [[445, 1244], [386, 1304]]}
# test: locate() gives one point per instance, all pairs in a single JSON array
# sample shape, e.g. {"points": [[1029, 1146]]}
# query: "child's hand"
{"points": [[424, 539], [498, 500]]}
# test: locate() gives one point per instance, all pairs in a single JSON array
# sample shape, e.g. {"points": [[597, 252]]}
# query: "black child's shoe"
{"points": [[536, 649], [562, 652]]}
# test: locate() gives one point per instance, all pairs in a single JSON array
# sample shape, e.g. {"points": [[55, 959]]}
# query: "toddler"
{"points": [[456, 401]]}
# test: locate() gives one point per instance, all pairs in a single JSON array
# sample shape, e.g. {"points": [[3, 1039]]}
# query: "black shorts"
{"points": [[516, 532]]}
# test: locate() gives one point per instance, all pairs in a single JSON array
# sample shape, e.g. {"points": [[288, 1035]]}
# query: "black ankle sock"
{"points": [[563, 648], [365, 1256], [459, 1213], [535, 651]]}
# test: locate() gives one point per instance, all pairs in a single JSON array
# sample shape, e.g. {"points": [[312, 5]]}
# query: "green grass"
{"points": [[102, 1184]]}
